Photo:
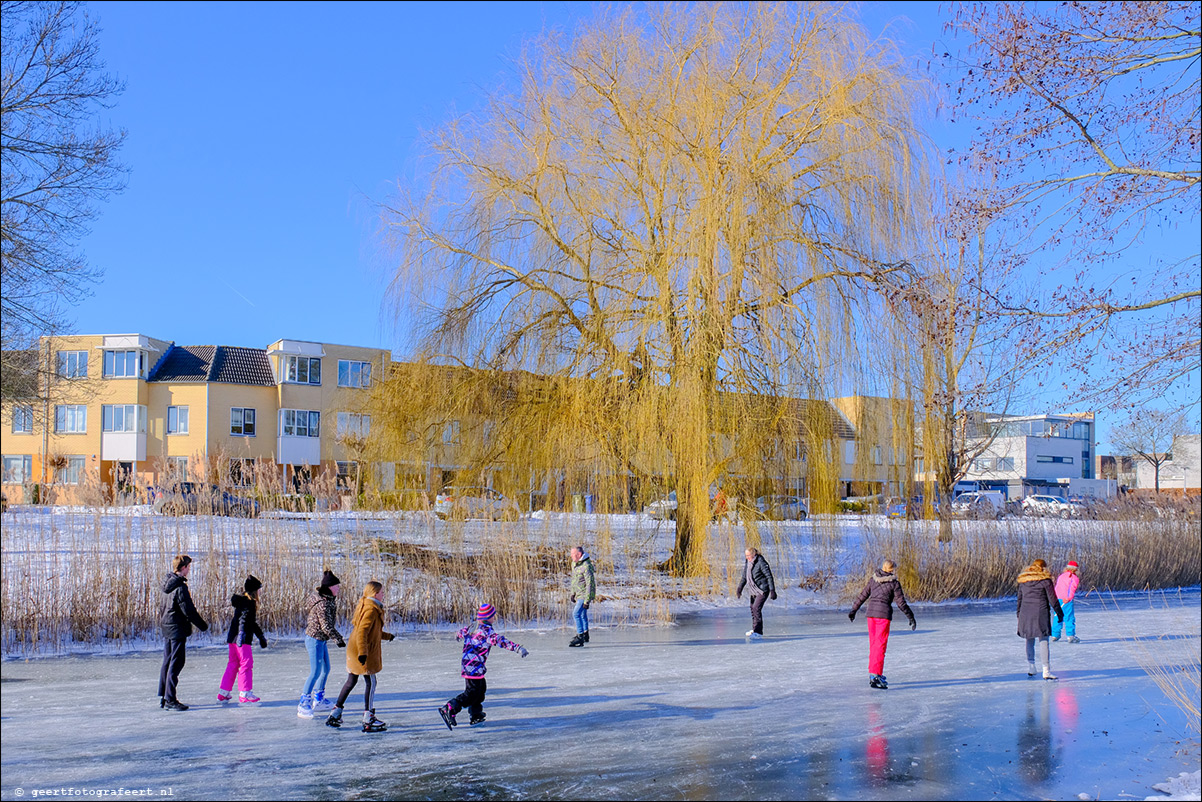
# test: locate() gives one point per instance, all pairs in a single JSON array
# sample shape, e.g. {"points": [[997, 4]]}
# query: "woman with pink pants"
{"points": [[881, 592]]}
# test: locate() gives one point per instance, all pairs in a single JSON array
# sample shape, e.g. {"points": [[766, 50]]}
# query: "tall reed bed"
{"points": [[984, 558]]}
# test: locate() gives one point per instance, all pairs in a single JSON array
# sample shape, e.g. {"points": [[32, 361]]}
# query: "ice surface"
{"points": [[684, 712]]}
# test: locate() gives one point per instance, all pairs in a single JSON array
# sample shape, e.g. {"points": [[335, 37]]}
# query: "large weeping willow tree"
{"points": [[672, 228]]}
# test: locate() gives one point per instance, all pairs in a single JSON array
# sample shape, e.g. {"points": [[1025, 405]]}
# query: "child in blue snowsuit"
{"points": [[476, 645]]}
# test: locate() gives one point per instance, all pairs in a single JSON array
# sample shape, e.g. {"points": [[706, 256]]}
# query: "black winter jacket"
{"points": [[177, 614], [244, 627], [881, 592], [761, 576]]}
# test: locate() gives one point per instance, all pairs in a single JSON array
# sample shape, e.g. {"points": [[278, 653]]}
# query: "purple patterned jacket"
{"points": [[476, 645]]}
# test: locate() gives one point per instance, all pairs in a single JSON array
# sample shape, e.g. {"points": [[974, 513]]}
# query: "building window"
{"points": [[350, 423], [302, 369], [73, 364], [849, 452], [300, 423], [177, 420], [18, 469], [124, 364], [72, 472], [877, 457], [354, 374], [242, 421], [23, 419], [1057, 460], [123, 418], [70, 419], [799, 451], [348, 474], [1005, 463], [450, 433], [177, 467], [242, 472]]}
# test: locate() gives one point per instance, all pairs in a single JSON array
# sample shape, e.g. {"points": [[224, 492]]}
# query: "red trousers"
{"points": [[878, 641]]}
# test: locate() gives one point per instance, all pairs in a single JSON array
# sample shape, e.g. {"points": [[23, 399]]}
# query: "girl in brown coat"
{"points": [[1036, 601], [363, 657]]}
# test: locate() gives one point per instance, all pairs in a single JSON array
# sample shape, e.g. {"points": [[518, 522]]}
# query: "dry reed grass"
{"points": [[984, 558]]}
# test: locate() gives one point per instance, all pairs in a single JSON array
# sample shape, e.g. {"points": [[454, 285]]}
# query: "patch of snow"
{"points": [[1184, 786]]}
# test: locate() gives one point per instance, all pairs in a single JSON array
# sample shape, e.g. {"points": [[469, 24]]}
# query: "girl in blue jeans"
{"points": [[319, 629]]}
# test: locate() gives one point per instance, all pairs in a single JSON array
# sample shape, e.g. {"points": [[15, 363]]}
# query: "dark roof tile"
{"points": [[184, 363], [224, 364]]}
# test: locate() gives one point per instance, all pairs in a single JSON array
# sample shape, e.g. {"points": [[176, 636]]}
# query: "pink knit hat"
{"points": [[485, 612]]}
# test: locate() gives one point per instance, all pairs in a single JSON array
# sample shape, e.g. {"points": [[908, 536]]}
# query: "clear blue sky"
{"points": [[260, 136]]}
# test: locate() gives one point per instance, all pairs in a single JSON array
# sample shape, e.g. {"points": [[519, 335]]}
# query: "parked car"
{"points": [[196, 498], [1052, 506], [664, 509], [910, 509], [988, 504], [781, 508], [461, 503]]}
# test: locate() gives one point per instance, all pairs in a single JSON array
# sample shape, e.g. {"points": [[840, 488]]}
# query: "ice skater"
{"points": [[1066, 593], [364, 657], [584, 590], [244, 628], [882, 590], [757, 577], [1036, 600], [177, 616], [320, 628], [476, 645]]}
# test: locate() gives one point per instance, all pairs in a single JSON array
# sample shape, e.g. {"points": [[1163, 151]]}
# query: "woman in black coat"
{"points": [[1036, 601]]}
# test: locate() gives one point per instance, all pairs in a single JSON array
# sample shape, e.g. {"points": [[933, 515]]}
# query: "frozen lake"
{"points": [[684, 712]]}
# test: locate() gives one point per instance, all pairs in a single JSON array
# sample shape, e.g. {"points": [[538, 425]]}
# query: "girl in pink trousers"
{"points": [[244, 628], [1066, 591]]}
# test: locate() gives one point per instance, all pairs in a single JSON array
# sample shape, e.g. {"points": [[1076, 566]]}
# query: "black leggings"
{"points": [[369, 691]]}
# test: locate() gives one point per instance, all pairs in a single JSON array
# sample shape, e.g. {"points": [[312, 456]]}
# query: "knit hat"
{"points": [[252, 583], [328, 580], [1072, 564], [485, 612]]}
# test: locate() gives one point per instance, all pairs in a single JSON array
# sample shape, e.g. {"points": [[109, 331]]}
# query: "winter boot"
{"points": [[448, 716], [305, 708], [578, 640], [477, 719], [335, 718], [321, 704], [586, 636], [1047, 673], [224, 696], [1030, 669], [373, 724]]}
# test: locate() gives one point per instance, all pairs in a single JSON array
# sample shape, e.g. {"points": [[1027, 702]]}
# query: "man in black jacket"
{"points": [[177, 616], [757, 576]]}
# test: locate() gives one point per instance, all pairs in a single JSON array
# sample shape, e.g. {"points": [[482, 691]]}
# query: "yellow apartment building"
{"points": [[119, 410]]}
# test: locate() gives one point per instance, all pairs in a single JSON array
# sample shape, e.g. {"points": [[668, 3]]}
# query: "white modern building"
{"points": [[1044, 454]]}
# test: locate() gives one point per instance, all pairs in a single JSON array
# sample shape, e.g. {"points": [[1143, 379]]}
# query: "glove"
{"points": [[739, 595], [362, 659], [913, 625], [851, 616], [262, 643], [341, 644], [772, 595], [522, 651], [586, 605], [1059, 619], [573, 598]]}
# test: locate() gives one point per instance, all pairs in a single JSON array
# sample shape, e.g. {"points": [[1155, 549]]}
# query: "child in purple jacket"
{"points": [[476, 645]]}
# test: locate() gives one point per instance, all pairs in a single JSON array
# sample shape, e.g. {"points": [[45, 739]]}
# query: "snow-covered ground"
{"points": [[680, 712]]}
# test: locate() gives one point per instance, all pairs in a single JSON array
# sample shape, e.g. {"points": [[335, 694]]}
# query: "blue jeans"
{"points": [[580, 613], [1070, 621], [319, 665]]}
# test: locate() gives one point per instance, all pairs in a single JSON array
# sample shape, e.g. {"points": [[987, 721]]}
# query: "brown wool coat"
{"points": [[366, 634], [1036, 602]]}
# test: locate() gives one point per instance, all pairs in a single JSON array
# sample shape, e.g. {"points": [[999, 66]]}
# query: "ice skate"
{"points": [[477, 719], [248, 698], [877, 681], [224, 696], [751, 634], [1055, 638], [335, 719], [1047, 673], [175, 704], [373, 724], [1072, 639], [577, 641], [304, 708], [321, 704], [586, 636], [448, 717], [1030, 669]]}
